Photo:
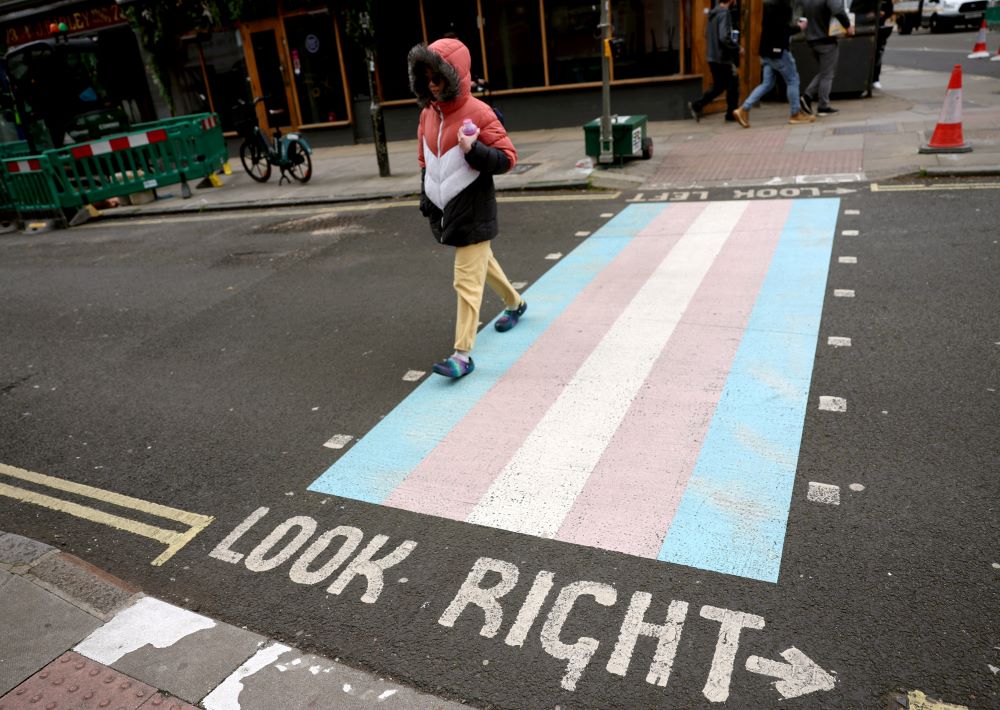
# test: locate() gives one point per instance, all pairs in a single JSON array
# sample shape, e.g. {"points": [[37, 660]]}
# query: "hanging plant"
{"points": [[160, 23]]}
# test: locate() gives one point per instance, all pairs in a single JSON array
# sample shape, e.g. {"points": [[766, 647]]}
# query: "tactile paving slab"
{"points": [[72, 682]]}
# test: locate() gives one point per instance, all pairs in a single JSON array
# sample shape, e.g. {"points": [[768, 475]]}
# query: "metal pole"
{"points": [[607, 141]]}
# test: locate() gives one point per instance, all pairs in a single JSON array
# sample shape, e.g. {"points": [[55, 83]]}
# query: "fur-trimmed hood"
{"points": [[447, 57]]}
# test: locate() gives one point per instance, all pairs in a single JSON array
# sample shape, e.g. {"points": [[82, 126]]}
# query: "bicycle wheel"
{"points": [[301, 163], [255, 162]]}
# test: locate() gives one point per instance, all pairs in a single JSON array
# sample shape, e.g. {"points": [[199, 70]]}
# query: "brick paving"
{"points": [[748, 155], [72, 682]]}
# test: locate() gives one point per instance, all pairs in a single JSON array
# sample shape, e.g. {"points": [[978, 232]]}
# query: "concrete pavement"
{"points": [[870, 139], [76, 637]]}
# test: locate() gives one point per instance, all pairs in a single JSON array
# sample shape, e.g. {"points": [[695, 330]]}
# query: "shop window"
{"points": [[513, 43], [226, 69], [312, 47], [573, 38], [650, 34], [216, 58], [397, 29], [458, 19]]}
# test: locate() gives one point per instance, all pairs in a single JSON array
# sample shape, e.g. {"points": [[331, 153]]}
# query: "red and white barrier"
{"points": [[947, 136], [24, 166], [89, 150]]}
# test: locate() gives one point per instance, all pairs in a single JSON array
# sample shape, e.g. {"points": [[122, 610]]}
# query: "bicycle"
{"points": [[290, 153]]}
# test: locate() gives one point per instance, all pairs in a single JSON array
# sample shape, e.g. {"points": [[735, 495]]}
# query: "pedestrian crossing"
{"points": [[651, 401]]}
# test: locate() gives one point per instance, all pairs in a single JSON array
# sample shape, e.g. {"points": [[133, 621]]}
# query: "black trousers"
{"points": [[723, 79]]}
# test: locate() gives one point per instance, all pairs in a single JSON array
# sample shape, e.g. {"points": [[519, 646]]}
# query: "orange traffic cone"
{"points": [[979, 51], [947, 136]]}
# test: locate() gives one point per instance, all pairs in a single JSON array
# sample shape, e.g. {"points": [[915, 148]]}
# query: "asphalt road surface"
{"points": [[942, 51], [739, 453]]}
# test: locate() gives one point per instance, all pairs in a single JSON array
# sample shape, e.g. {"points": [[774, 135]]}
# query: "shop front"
{"points": [[119, 59], [540, 58]]}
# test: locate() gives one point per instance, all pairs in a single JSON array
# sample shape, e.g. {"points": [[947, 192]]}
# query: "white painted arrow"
{"points": [[838, 191], [797, 677]]}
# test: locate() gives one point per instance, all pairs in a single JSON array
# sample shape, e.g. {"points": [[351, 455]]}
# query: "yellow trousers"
{"points": [[475, 266]]}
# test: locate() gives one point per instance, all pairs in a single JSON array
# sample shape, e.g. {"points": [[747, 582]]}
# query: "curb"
{"points": [[960, 171], [129, 212], [70, 627]]}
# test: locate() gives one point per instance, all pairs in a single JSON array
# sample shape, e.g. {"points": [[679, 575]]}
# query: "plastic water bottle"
{"points": [[468, 127]]}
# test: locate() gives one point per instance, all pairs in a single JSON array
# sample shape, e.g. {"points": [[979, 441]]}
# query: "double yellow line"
{"points": [[173, 539]]}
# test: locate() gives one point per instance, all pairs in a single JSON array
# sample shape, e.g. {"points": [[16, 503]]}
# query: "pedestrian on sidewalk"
{"points": [[885, 25], [723, 55], [457, 194], [823, 44], [776, 29]]}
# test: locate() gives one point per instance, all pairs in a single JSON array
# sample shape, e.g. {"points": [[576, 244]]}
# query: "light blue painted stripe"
{"points": [[734, 511], [380, 461]]}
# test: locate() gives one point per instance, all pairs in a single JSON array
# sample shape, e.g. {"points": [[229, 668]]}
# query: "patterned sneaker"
{"points": [[508, 319], [453, 367]]}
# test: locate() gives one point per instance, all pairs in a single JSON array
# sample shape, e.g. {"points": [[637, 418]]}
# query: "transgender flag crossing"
{"points": [[651, 401]]}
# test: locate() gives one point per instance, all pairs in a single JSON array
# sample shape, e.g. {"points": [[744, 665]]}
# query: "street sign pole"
{"points": [[607, 141]]}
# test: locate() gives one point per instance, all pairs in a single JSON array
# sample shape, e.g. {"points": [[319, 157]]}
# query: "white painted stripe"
{"points": [[339, 441], [582, 234], [227, 695], [852, 212], [537, 487], [850, 232], [607, 214], [554, 256], [838, 341], [138, 139], [413, 375], [148, 621], [843, 292], [823, 493], [518, 285], [100, 147], [832, 404], [848, 260]]}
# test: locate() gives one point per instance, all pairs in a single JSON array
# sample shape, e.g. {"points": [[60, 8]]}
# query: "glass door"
{"points": [[265, 47]]}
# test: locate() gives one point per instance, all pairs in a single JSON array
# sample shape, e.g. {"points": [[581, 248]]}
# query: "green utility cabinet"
{"points": [[629, 139]]}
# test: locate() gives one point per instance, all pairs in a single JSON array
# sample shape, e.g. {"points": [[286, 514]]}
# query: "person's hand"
{"points": [[466, 142], [850, 31]]}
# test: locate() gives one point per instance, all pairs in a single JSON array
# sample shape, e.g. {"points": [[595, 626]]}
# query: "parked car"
{"points": [[938, 14]]}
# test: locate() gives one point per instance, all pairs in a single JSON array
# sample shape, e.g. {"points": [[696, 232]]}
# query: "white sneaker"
{"points": [[876, 84]]}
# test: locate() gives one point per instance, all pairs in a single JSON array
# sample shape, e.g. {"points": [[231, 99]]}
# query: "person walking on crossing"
{"points": [[776, 29], [461, 145], [723, 55]]}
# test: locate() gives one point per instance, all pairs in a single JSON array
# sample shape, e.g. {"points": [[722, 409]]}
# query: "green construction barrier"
{"points": [[149, 156], [993, 15], [31, 185], [204, 132], [13, 149]]}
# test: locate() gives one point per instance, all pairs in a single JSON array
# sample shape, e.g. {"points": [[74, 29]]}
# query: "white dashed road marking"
{"points": [[848, 260], [838, 341], [339, 441], [823, 493], [843, 292], [832, 404]]}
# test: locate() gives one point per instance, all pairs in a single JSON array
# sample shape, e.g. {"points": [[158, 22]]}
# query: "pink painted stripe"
{"points": [[458, 472], [631, 496]]}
